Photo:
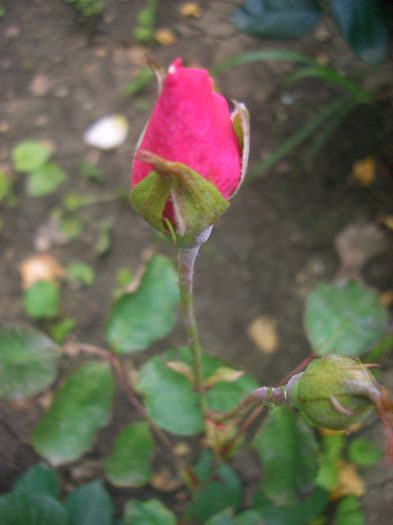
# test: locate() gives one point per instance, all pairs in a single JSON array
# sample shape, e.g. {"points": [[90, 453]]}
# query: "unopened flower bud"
{"points": [[334, 391], [191, 158]]}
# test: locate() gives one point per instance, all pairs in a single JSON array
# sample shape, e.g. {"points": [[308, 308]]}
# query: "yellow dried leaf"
{"points": [[349, 482], [43, 267], [182, 449], [165, 37], [190, 9], [223, 375], [386, 298], [164, 481], [322, 58], [181, 368], [363, 171], [45, 399], [86, 470], [388, 222], [263, 332]]}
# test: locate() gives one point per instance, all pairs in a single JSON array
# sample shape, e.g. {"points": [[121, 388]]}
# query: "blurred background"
{"points": [[317, 205]]}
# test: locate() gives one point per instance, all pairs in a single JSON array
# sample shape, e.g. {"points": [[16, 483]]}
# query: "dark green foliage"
{"points": [[278, 19], [363, 23], [87, 8]]}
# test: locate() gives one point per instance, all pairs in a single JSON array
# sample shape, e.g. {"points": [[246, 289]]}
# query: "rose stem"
{"points": [[186, 262]]}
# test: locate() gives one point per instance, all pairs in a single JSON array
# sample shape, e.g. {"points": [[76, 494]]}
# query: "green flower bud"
{"points": [[333, 391]]}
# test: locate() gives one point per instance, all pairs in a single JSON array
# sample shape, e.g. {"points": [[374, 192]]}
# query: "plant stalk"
{"points": [[186, 262], [264, 396]]}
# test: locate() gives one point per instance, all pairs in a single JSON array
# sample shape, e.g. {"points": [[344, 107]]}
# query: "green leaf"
{"points": [[28, 362], [25, 509], [262, 55], [39, 480], [250, 517], [29, 155], [139, 83], [150, 512], [365, 26], [44, 180], [73, 202], [344, 318], [90, 504], [79, 408], [81, 273], [5, 185], [329, 460], [71, 228], [299, 514], [348, 512], [215, 496], [129, 463], [140, 318], [104, 238], [61, 329], [379, 351], [41, 300], [364, 452], [171, 400], [277, 19], [332, 76], [225, 517], [90, 171], [288, 451]]}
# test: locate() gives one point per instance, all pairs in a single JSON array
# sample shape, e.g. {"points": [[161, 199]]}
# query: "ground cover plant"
{"points": [[141, 423], [181, 184]]}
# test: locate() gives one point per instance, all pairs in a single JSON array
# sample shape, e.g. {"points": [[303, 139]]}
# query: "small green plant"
{"points": [[145, 22], [87, 8], [43, 176]]}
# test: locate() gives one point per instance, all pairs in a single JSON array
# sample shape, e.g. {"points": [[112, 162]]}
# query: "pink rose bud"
{"points": [[193, 153]]}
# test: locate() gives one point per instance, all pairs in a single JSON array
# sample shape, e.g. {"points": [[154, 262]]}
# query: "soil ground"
{"points": [[273, 245]]}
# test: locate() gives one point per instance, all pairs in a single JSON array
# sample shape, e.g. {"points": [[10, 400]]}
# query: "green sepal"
{"points": [[241, 127], [149, 197], [196, 202]]}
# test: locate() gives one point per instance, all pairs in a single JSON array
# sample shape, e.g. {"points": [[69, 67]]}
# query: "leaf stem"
{"points": [[186, 261]]}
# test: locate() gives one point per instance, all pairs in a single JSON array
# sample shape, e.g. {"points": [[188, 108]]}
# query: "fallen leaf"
{"points": [[388, 222], [356, 243], [40, 85], [363, 171], [349, 482], [42, 267], [386, 298], [165, 37], [182, 449], [263, 332], [190, 9], [223, 375], [322, 58], [107, 132], [45, 399], [165, 481], [86, 470]]}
